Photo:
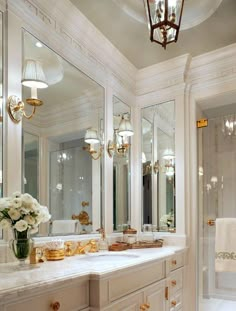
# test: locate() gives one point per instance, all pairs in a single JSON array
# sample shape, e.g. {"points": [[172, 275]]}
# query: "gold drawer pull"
{"points": [[145, 306], [173, 282], [173, 303], [55, 306], [174, 262]]}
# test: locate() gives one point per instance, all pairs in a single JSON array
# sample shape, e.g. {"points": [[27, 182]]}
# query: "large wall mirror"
{"points": [[121, 168], [62, 142], [158, 167]]}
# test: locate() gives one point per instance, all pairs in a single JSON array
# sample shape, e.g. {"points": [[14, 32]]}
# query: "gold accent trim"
{"points": [[202, 123]]}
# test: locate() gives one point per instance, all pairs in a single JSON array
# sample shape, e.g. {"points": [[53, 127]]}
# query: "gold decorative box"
{"points": [[54, 254]]}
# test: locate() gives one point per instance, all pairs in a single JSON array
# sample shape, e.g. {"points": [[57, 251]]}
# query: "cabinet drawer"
{"points": [[176, 281], [176, 301], [176, 261], [132, 281], [71, 298]]}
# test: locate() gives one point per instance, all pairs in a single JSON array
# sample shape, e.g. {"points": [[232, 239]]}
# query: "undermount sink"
{"points": [[110, 257]]}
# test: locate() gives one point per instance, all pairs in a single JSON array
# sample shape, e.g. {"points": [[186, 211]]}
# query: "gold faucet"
{"points": [[81, 248]]}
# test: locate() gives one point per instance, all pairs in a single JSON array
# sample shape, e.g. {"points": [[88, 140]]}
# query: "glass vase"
{"points": [[21, 246]]}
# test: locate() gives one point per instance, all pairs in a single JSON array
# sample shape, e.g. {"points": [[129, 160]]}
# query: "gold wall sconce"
{"points": [[92, 139], [34, 78], [120, 145]]}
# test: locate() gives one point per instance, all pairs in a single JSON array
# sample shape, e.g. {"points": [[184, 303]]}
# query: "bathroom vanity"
{"points": [[147, 279]]}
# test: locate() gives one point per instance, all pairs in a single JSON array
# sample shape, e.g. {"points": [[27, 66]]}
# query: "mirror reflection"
{"points": [[63, 139], [158, 163], [121, 165]]}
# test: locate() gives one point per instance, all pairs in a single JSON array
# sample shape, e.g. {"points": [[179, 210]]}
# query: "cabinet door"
{"points": [[155, 296], [129, 303]]}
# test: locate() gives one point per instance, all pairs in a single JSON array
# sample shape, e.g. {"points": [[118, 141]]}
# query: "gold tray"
{"points": [[54, 254], [146, 244], [116, 247]]}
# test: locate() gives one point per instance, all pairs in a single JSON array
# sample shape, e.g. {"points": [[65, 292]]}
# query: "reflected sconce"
{"points": [[121, 145], [34, 78], [91, 138]]}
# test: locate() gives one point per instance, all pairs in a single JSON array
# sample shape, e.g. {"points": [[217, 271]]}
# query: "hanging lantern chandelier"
{"points": [[164, 18]]}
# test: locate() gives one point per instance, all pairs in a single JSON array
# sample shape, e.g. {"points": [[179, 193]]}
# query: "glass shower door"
{"points": [[216, 199]]}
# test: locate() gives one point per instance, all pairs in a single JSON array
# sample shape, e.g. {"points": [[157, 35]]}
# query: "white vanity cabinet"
{"points": [[150, 285]]}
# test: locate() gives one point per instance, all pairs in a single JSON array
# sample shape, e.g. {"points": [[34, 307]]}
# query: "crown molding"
{"points": [[215, 67], [162, 75], [92, 53]]}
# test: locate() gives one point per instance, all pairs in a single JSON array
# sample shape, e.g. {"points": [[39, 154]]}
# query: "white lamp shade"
{"points": [[125, 128], [91, 137], [33, 75], [144, 159]]}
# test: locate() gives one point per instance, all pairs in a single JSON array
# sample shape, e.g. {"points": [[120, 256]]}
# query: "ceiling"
{"points": [[207, 25]]}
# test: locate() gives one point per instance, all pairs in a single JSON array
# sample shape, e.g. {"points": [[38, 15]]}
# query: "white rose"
{"points": [[34, 230], [16, 194], [27, 198], [29, 219], [3, 204], [16, 202], [21, 225], [24, 211], [44, 214], [14, 213], [5, 224]]}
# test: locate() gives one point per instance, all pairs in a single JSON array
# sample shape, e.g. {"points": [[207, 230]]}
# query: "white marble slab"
{"points": [[98, 265]]}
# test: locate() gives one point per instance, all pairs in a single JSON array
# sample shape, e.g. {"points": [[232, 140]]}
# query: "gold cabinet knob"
{"points": [[173, 282], [174, 262], [142, 308], [55, 306], [211, 222], [173, 303], [147, 305]]}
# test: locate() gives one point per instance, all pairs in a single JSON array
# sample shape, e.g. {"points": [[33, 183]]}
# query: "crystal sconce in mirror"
{"points": [[34, 78], [229, 125], [121, 143], [92, 140]]}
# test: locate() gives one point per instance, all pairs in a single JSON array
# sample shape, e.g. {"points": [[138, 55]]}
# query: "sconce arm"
{"points": [[96, 155], [31, 115]]}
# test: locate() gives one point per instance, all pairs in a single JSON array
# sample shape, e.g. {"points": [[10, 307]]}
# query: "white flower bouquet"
{"points": [[22, 213]]}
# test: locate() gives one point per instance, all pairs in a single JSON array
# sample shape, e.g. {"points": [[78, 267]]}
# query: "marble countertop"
{"points": [[98, 265]]}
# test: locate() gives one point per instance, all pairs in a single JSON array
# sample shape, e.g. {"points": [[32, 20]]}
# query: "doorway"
{"points": [[216, 199]]}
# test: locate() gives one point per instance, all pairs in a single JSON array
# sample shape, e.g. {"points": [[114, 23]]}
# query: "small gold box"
{"points": [[54, 254]]}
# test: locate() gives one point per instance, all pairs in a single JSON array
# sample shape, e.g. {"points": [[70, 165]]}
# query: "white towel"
{"points": [[64, 226], [225, 245]]}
